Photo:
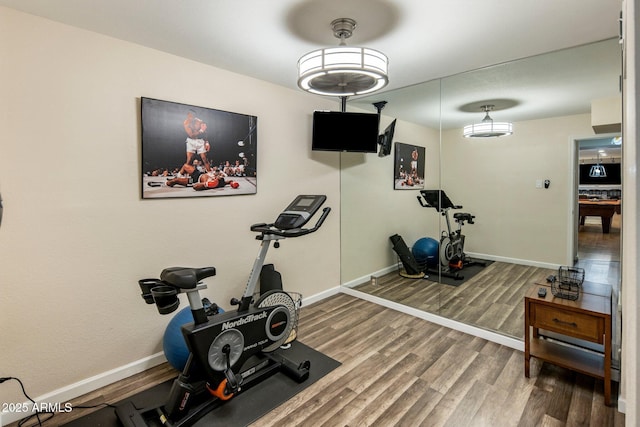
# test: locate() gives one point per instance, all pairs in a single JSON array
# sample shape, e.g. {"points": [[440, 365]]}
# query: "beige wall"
{"points": [[76, 236], [495, 179], [372, 210]]}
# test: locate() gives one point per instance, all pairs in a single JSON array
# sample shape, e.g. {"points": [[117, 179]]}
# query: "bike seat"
{"points": [[185, 277]]}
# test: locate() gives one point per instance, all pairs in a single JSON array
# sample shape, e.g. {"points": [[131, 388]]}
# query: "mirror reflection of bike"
{"points": [[451, 252], [234, 350]]}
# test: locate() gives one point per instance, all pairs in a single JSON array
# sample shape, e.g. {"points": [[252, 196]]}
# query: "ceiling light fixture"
{"points": [[488, 128], [343, 70], [597, 170]]}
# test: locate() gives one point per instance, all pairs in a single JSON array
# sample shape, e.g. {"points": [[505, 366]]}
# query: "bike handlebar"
{"points": [[264, 228]]}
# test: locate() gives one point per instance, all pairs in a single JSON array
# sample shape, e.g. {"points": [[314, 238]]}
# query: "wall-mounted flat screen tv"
{"points": [[613, 175], [386, 139], [336, 131]]}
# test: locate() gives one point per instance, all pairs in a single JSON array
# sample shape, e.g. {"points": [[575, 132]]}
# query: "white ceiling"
{"points": [[424, 39], [554, 84]]}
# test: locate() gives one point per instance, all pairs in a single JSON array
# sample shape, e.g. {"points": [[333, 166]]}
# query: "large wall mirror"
{"points": [[522, 189]]}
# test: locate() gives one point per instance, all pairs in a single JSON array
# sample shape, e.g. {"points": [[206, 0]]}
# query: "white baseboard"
{"points": [[514, 260], [65, 394], [362, 279], [443, 321], [320, 296], [622, 405], [516, 344]]}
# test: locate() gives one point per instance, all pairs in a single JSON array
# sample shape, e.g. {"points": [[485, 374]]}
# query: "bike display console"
{"points": [[299, 212], [437, 199]]}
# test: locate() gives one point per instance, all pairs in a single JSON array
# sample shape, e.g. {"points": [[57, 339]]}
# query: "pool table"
{"points": [[602, 208]]}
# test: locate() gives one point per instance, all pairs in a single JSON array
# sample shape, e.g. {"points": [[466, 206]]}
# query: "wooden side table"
{"points": [[588, 318]]}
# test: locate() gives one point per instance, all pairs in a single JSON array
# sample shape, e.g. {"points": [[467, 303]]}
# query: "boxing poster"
{"points": [[409, 173], [190, 151]]}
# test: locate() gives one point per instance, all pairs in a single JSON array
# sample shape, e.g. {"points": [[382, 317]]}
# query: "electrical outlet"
{"points": [[538, 183]]}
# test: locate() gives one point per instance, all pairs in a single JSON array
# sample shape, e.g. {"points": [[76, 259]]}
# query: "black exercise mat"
{"points": [[241, 410], [467, 273]]}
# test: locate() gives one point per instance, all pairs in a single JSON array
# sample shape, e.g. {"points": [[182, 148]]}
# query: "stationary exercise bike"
{"points": [[230, 351], [451, 252]]}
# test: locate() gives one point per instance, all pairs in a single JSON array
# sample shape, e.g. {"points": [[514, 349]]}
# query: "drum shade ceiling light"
{"points": [[343, 70], [597, 170], [488, 128]]}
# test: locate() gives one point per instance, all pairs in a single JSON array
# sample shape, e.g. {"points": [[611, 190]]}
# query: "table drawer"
{"points": [[578, 325]]}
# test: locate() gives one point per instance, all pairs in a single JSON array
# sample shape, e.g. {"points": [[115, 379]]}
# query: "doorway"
{"points": [[598, 237], [598, 206]]}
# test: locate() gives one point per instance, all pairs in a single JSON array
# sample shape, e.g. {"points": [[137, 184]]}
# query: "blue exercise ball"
{"points": [[425, 251], [173, 344]]}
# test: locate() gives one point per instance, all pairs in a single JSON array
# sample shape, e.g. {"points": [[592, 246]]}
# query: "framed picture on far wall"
{"points": [[409, 173], [190, 151]]}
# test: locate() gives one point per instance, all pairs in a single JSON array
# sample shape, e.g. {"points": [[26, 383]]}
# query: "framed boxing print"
{"points": [[190, 151], [409, 173]]}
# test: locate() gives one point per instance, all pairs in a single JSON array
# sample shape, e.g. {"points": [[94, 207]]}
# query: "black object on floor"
{"points": [[241, 410], [411, 266], [466, 273]]}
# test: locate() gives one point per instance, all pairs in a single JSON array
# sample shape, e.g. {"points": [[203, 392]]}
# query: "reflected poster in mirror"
{"points": [[190, 151], [409, 173]]}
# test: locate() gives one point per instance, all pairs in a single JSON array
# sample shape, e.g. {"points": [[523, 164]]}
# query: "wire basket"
{"points": [[292, 301], [297, 303], [568, 283]]}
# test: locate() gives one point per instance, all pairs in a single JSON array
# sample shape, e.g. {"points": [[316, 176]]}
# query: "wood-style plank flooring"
{"points": [[493, 298], [398, 370], [402, 371], [599, 253]]}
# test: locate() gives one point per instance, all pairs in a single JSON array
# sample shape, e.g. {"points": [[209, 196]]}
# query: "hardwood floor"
{"points": [[599, 253], [493, 298], [398, 370], [595, 245], [107, 395]]}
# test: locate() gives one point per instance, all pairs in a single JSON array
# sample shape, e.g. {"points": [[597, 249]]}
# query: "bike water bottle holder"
{"points": [[155, 291]]}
